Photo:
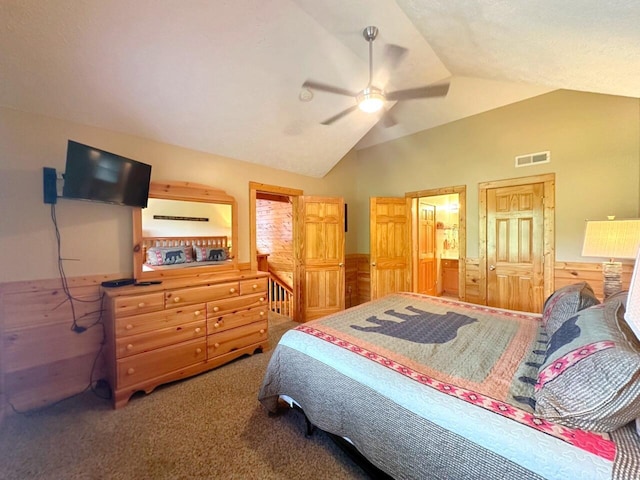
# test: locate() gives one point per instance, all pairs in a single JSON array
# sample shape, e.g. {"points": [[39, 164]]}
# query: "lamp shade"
{"points": [[611, 238]]}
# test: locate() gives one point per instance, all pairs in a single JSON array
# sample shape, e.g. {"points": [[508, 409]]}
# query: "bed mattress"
{"points": [[426, 387]]}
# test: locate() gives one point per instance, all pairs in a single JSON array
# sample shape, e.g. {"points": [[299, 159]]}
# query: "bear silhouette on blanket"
{"points": [[424, 327]]}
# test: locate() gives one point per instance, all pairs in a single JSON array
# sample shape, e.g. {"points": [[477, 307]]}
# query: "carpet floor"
{"points": [[210, 426]]}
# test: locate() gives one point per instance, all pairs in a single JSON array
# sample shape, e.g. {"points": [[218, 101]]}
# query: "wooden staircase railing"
{"points": [[280, 297]]}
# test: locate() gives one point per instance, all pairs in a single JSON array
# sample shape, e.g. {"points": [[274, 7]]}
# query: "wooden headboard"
{"points": [[211, 242]]}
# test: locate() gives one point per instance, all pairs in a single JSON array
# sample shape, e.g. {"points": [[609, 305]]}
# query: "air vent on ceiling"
{"points": [[533, 159]]}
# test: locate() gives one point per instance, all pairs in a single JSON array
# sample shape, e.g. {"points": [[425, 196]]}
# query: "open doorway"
{"points": [[271, 232], [439, 241]]}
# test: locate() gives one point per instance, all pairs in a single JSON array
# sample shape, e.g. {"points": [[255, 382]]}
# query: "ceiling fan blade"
{"points": [[387, 120], [420, 92], [393, 55], [327, 88], [329, 121]]}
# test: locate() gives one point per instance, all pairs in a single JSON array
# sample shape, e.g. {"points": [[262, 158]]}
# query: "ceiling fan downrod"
{"points": [[370, 33]]}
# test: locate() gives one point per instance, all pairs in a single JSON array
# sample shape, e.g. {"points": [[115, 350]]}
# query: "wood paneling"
{"points": [[567, 273], [43, 360], [358, 279]]}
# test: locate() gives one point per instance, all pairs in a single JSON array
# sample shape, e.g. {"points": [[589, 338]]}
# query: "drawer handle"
{"points": [[254, 286], [129, 326], [197, 312], [130, 346], [176, 299], [198, 350], [141, 304], [232, 290], [216, 345], [131, 371], [262, 299], [261, 313], [215, 309], [198, 330], [217, 324], [262, 330]]}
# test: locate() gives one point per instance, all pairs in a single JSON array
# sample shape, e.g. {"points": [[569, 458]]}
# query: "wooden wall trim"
{"points": [[41, 359]]}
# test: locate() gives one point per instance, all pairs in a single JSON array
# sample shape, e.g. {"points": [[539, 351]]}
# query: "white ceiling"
{"points": [[224, 76]]}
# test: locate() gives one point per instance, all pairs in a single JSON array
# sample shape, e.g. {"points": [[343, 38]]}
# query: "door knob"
{"points": [[492, 267], [373, 264]]}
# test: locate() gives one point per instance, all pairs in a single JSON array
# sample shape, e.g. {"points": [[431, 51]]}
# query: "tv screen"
{"points": [[93, 174]]}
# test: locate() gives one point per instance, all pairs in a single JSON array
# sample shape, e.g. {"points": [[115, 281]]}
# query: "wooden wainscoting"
{"points": [[42, 359], [357, 279], [472, 281], [565, 273]]}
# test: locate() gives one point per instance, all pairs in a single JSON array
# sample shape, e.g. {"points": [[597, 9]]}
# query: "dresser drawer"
{"points": [[449, 263], [132, 305], [186, 296], [233, 320], [227, 305], [235, 338], [247, 287], [149, 322], [145, 366], [163, 337]]}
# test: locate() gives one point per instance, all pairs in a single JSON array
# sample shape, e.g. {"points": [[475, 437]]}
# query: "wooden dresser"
{"points": [[161, 333]]}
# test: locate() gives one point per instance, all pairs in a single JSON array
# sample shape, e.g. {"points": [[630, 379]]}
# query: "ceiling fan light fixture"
{"points": [[370, 100]]}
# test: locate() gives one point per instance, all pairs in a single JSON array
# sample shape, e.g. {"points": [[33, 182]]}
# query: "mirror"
{"points": [[187, 229]]}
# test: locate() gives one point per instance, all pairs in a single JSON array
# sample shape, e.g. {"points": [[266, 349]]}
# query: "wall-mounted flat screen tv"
{"points": [[99, 176]]}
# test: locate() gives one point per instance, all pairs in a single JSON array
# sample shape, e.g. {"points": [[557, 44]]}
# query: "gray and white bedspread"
{"points": [[431, 388]]}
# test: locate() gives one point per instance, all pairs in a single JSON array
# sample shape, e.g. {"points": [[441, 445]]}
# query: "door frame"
{"points": [[548, 211], [254, 188], [461, 190]]}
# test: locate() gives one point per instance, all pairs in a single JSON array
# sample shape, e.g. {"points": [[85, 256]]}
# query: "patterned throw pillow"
{"points": [[169, 255], [632, 315], [564, 303], [208, 254], [590, 378]]}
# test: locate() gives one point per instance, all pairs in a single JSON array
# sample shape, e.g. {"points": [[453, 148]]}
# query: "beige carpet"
{"points": [[210, 426]]}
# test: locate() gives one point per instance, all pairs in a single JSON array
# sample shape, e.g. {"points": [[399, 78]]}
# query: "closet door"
{"points": [[319, 256], [390, 245], [515, 246]]}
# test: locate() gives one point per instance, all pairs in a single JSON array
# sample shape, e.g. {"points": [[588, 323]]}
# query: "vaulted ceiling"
{"points": [[225, 77]]}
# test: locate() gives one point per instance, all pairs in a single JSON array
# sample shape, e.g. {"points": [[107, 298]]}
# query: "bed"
{"points": [[426, 387]]}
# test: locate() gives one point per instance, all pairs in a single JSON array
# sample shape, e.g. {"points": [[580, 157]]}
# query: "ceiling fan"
{"points": [[371, 99]]}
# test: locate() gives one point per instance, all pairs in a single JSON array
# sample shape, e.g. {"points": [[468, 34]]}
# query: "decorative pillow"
{"points": [[169, 255], [564, 303], [207, 254], [632, 315], [619, 298], [590, 378]]}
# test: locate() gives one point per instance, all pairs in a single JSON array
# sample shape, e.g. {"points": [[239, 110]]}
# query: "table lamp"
{"points": [[613, 239]]}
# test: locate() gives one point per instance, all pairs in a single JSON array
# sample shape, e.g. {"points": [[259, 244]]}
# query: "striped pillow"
{"points": [[590, 378]]}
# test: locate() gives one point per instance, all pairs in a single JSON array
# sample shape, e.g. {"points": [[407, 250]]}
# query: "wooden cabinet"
{"points": [[449, 276], [161, 333]]}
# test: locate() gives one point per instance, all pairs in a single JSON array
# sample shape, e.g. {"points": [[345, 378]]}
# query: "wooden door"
{"points": [[515, 246], [390, 245], [427, 249], [319, 256]]}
